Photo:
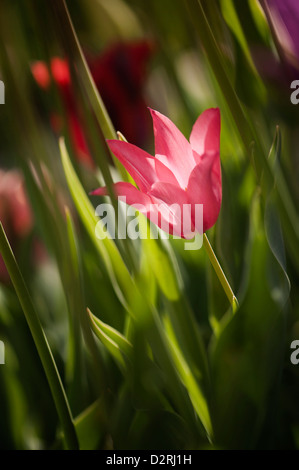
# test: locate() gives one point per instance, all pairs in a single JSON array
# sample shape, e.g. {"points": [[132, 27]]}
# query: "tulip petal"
{"points": [[172, 148], [140, 164], [60, 71], [175, 208], [155, 210], [164, 174], [205, 188], [41, 74], [126, 190], [205, 134]]}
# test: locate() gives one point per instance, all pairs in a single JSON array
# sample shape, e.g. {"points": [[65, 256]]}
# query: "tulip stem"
{"points": [[220, 274]]}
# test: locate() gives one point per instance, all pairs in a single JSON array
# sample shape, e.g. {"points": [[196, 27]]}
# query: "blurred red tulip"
{"points": [[15, 212], [41, 74], [119, 74]]}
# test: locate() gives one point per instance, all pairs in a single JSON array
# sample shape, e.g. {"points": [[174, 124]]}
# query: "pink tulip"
{"points": [[179, 177]]}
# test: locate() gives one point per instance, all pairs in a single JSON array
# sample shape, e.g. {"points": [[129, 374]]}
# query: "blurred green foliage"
{"points": [[148, 349]]}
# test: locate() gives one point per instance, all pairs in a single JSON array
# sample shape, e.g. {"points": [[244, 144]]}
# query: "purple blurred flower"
{"points": [[283, 18]]}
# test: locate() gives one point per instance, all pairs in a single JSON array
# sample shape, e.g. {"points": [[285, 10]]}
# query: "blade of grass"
{"points": [[198, 399], [120, 348], [73, 285], [41, 343], [77, 59], [106, 247], [76, 54]]}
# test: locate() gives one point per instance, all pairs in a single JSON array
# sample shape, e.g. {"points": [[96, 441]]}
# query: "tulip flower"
{"points": [[15, 212], [60, 73], [119, 74], [181, 175]]}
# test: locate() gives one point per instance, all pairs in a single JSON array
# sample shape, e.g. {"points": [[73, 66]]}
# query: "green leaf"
{"points": [[91, 427], [116, 269], [78, 323], [41, 342], [196, 395], [76, 55], [273, 230], [247, 356], [161, 260], [72, 288], [120, 348], [231, 17]]}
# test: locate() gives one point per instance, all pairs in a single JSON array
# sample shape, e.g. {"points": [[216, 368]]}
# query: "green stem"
{"points": [[77, 58], [41, 343], [75, 52], [220, 274]]}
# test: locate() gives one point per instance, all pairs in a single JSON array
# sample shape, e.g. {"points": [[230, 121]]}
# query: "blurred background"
{"points": [[175, 368]]}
